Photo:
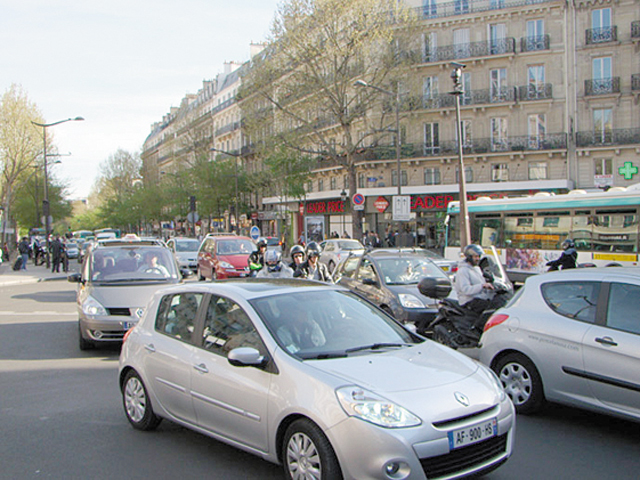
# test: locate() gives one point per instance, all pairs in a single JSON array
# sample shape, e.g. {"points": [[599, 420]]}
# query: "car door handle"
{"points": [[607, 341], [202, 368], [150, 347]]}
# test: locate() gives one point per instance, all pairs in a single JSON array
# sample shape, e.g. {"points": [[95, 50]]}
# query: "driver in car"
{"points": [[151, 265]]}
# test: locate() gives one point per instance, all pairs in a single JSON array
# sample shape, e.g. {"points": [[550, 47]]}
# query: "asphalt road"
{"points": [[61, 416]]}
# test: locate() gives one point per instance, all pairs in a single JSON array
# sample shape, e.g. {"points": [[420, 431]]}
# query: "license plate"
{"points": [[128, 325], [473, 434], [445, 268]]}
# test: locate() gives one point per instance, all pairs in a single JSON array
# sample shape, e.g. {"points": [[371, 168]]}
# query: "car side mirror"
{"points": [[75, 278], [246, 357]]}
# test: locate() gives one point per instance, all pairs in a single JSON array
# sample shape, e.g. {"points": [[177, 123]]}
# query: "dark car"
{"points": [[390, 280], [450, 267]]}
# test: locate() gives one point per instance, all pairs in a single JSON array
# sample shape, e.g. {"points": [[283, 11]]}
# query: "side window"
{"points": [[367, 271], [349, 268], [329, 247], [227, 326], [576, 300], [177, 315], [624, 307]]}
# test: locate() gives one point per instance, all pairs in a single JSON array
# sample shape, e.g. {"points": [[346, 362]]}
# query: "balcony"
{"points": [[462, 7], [470, 50], [222, 106], [635, 29], [601, 35], [607, 137], [635, 82], [230, 127], [601, 86], [532, 44], [446, 100], [535, 92]]}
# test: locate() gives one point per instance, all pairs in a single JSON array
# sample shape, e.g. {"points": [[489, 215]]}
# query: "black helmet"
{"points": [[470, 250], [313, 249], [568, 243], [272, 260], [296, 249], [262, 242]]}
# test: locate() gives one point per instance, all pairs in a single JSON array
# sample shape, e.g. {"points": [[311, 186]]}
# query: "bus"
{"points": [[83, 235], [103, 233], [528, 231]]}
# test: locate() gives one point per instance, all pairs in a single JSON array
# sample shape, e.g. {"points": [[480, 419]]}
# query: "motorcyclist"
{"points": [[312, 269], [274, 267], [256, 258], [297, 256], [474, 292], [568, 258]]}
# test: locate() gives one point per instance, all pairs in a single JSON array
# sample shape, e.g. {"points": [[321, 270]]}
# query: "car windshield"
{"points": [[408, 270], [234, 247], [187, 245], [132, 263], [330, 324], [273, 241], [72, 245], [350, 245]]}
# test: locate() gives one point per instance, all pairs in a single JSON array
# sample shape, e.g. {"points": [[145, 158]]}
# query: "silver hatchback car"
{"points": [[571, 337], [313, 377]]}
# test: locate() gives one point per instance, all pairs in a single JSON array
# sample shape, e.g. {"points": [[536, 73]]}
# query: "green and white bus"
{"points": [[528, 231]]}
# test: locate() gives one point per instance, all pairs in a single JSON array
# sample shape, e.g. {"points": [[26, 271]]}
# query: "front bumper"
{"points": [[106, 329]]}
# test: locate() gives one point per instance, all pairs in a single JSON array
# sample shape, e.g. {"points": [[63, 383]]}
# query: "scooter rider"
{"points": [[256, 259], [312, 269], [474, 292], [274, 267], [568, 258], [297, 256]]}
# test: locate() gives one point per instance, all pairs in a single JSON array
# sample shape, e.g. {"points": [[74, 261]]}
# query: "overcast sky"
{"points": [[120, 64]]}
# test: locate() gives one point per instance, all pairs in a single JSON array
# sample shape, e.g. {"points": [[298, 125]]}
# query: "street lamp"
{"points": [[235, 163], [465, 233], [343, 197], [45, 202]]}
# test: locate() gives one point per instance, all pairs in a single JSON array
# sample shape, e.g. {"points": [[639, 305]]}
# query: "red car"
{"points": [[224, 256]]}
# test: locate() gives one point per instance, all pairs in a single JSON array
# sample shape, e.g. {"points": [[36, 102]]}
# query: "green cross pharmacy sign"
{"points": [[628, 170]]}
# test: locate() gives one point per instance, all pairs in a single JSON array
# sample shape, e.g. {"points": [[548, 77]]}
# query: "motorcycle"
{"points": [[454, 325]]}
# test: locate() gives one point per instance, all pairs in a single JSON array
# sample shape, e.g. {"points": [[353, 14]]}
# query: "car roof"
{"points": [[377, 254], [598, 273], [124, 243]]}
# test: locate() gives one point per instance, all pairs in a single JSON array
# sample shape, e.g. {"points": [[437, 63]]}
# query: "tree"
{"points": [[20, 144], [300, 95]]}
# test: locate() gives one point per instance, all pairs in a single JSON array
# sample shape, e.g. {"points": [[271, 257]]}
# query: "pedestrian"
{"points": [[24, 248], [5, 252], [56, 254], [377, 243]]}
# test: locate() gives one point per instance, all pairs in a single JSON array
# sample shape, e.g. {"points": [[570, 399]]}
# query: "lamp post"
{"points": [[235, 163], [343, 197], [465, 233], [45, 202]]}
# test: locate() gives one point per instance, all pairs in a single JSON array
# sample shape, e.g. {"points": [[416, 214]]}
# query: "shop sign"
{"points": [[325, 207], [381, 204], [430, 202]]}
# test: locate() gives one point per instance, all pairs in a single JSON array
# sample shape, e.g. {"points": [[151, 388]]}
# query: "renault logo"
{"points": [[462, 398]]}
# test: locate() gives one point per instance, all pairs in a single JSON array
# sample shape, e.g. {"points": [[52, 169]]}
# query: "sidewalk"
{"points": [[33, 274]]}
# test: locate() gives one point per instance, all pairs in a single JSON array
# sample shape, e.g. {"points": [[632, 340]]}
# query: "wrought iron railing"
{"points": [[534, 43], [535, 92], [601, 86], [230, 127], [610, 136], [446, 100], [602, 35], [469, 50]]}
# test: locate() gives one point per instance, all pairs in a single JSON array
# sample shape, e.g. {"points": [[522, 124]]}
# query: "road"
{"points": [[61, 416]]}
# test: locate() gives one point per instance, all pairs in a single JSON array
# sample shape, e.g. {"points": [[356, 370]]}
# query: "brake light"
{"points": [[454, 269], [495, 320], [126, 335]]}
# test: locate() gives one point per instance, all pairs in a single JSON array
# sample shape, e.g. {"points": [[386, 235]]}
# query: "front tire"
{"points": [[521, 381], [137, 405], [307, 453]]}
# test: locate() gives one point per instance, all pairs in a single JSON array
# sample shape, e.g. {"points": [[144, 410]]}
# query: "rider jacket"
{"points": [[322, 271], [468, 283], [568, 259]]}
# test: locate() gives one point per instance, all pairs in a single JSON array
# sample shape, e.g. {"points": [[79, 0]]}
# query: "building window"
{"points": [[498, 82], [345, 182], [497, 38], [467, 141], [431, 176], [309, 186], [603, 125], [394, 177], [468, 174], [429, 8], [538, 171], [333, 183], [361, 179], [430, 92], [321, 185], [499, 141], [431, 138], [603, 166], [430, 49], [537, 128], [499, 172], [535, 39]]}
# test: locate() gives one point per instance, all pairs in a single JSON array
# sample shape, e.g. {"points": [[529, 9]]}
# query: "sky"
{"points": [[120, 64]]}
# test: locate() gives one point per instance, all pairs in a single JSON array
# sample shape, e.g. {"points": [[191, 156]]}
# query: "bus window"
{"points": [[581, 229], [487, 230], [615, 231], [518, 230], [551, 229]]}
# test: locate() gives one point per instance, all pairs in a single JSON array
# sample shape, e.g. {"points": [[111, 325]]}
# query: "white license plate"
{"points": [[473, 434]]}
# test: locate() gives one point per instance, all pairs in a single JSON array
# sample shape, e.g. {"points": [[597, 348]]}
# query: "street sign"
{"points": [[401, 208], [193, 217], [381, 204], [254, 233], [358, 201]]}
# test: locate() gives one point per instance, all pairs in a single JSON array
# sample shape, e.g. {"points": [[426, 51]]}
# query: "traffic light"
{"points": [[192, 203]]}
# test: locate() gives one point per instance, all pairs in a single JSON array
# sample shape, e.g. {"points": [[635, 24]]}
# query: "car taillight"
{"points": [[126, 335], [454, 269], [495, 320]]}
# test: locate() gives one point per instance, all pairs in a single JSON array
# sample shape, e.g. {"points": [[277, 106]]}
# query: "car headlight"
{"points": [[92, 307], [410, 301], [367, 406], [226, 265]]}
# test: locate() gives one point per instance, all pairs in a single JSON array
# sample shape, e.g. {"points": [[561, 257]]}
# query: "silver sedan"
{"points": [[571, 337], [315, 378]]}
